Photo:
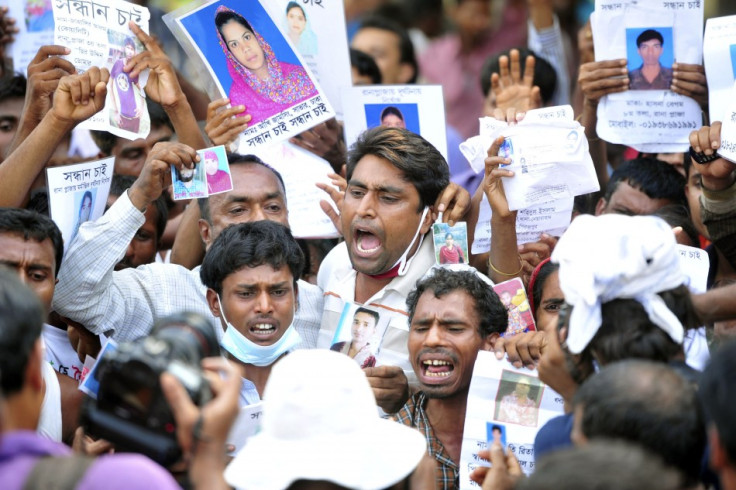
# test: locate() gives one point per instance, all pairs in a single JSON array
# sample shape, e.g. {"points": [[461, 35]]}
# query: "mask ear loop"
{"points": [[403, 262], [222, 312]]}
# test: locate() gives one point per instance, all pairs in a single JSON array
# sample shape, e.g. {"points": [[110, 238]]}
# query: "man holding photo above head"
{"points": [[651, 75]]}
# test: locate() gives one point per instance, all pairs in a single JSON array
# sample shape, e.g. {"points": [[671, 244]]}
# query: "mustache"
{"points": [[442, 351]]}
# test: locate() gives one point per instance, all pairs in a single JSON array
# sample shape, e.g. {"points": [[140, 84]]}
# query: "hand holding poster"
{"points": [[507, 405], [651, 36], [98, 34], [418, 108], [78, 193], [243, 56], [211, 175]]}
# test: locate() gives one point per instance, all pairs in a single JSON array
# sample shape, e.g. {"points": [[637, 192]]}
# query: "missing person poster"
{"points": [[650, 36], [211, 175], [359, 334], [728, 129], [719, 59], [243, 55], [78, 193], [35, 22], [507, 405], [317, 30], [418, 108], [98, 34], [514, 299]]}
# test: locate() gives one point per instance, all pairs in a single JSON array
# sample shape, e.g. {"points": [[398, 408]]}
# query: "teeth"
{"points": [[437, 375], [367, 249], [263, 326], [436, 362]]}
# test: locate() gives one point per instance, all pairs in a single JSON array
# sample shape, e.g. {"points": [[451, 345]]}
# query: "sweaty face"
{"points": [[296, 20], [260, 302], [552, 299], [10, 111], [629, 201], [131, 155], [444, 342], [256, 195], [380, 215], [383, 47], [244, 46], [34, 262], [363, 328], [650, 51], [393, 121]]}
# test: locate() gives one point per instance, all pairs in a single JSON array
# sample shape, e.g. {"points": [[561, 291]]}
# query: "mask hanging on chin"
{"points": [[402, 265], [248, 352]]}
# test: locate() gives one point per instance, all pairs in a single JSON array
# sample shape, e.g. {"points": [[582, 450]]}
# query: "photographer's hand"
{"points": [[202, 432]]}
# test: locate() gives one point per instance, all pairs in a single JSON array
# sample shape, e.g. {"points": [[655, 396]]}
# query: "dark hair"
{"points": [[545, 76], [13, 87], [679, 215], [35, 226], [106, 141], [406, 47], [627, 332], [602, 465], [85, 196], [420, 162], [537, 282], [292, 5], [391, 110], [491, 312], [649, 404], [449, 235], [496, 427], [21, 322], [372, 313], [718, 394], [121, 183], [648, 35], [222, 18], [366, 65], [655, 178], [238, 159], [250, 245]]}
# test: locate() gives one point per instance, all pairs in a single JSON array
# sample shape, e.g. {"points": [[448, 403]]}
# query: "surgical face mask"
{"points": [[403, 262], [247, 351]]}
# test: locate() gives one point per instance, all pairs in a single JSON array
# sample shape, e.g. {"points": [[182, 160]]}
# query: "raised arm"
{"points": [[77, 98]]}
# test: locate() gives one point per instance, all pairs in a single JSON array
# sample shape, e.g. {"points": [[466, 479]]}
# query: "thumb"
{"points": [[100, 94], [498, 459]]}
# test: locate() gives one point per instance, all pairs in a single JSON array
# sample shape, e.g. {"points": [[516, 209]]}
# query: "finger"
{"points": [[495, 83], [49, 50], [511, 116], [331, 213], [212, 107], [503, 70], [84, 83], [704, 142], [147, 41], [512, 464], [602, 73], [339, 181], [478, 475], [688, 68], [688, 87], [495, 146], [499, 348], [75, 90], [457, 211], [132, 65], [499, 114], [715, 135], [694, 141], [333, 192], [181, 405], [515, 66], [536, 98], [50, 64], [498, 459], [529, 71]]}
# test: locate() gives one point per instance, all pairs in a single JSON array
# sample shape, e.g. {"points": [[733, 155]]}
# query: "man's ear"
{"points": [[205, 232], [601, 206], [406, 73], [489, 343], [34, 367], [213, 302], [427, 223]]}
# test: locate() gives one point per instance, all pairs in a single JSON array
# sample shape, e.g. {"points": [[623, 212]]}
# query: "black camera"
{"points": [[131, 411]]}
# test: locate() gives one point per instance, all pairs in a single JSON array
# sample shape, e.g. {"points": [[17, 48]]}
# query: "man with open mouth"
{"points": [[394, 178], [452, 316]]}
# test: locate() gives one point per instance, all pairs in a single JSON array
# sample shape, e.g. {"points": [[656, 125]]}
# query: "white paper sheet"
{"points": [[728, 129], [301, 170], [421, 107], [719, 54], [493, 400], [695, 265], [78, 193], [245, 426]]}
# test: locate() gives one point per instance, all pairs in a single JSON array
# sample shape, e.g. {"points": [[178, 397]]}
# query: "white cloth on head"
{"points": [[617, 257]]}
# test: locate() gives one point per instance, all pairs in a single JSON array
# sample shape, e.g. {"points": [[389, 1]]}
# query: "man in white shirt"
{"points": [[128, 302], [394, 177]]}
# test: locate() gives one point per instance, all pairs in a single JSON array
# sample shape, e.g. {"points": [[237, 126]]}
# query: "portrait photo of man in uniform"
{"points": [[650, 59]]}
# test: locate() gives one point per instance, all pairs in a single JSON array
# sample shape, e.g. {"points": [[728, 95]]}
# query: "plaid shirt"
{"points": [[413, 415]]}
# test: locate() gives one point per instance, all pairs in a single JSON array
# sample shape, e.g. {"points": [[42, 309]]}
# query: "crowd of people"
{"points": [[642, 363]]}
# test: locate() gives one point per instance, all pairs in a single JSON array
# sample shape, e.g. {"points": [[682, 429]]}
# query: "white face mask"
{"points": [[247, 351], [403, 262]]}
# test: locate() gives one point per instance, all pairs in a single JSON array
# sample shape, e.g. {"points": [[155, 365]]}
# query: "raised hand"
{"points": [[79, 97], [599, 78], [510, 88], [223, 127]]}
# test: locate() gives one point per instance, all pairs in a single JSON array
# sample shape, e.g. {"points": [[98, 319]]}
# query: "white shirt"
{"points": [[49, 423], [548, 44], [130, 301]]}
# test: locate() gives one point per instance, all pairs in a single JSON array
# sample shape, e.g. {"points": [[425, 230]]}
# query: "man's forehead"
{"points": [[14, 245], [263, 275], [368, 37], [12, 106]]}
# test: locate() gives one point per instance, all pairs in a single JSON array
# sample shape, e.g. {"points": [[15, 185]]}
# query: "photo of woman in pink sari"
{"points": [[264, 85]]}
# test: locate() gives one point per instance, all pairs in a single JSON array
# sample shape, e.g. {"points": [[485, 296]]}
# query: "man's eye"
{"points": [[37, 276], [7, 126], [357, 193], [237, 211], [389, 199], [274, 208], [552, 308], [246, 294], [142, 237], [279, 292]]}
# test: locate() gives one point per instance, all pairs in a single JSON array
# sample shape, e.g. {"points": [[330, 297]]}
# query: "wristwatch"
{"points": [[702, 158]]}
